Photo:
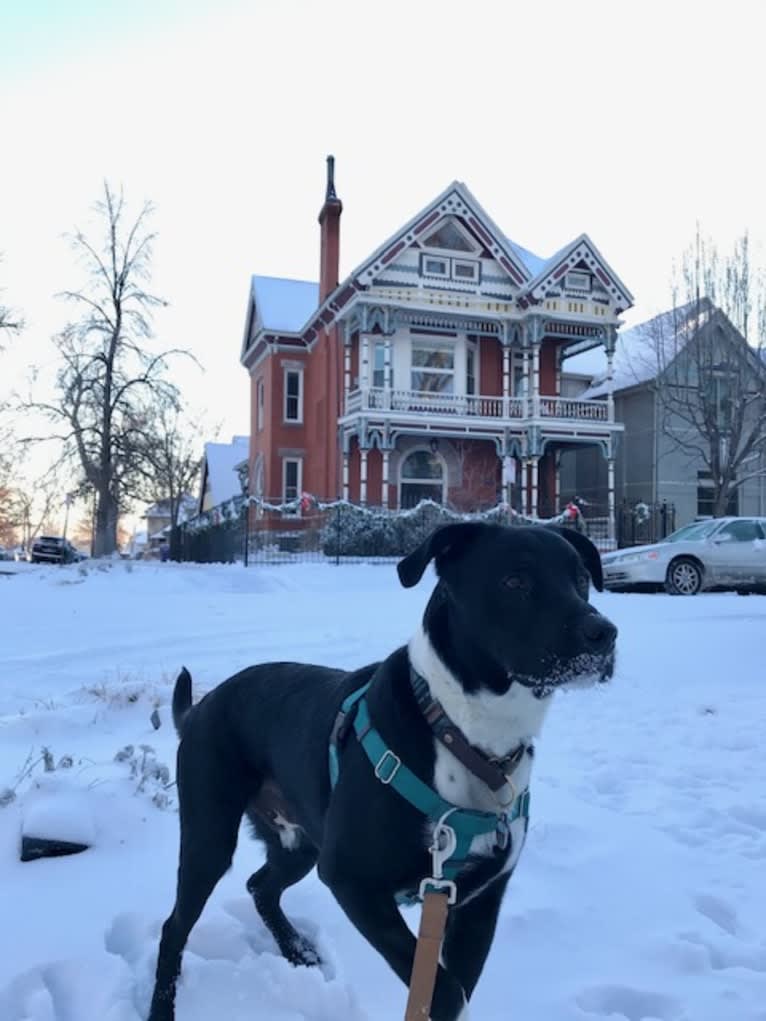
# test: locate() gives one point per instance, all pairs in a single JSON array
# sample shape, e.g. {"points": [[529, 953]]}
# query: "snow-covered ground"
{"points": [[640, 894]]}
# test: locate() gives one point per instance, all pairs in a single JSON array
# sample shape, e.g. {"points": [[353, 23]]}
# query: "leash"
{"points": [[437, 894]]}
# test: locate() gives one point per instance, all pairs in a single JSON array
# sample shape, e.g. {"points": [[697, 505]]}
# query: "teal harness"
{"points": [[455, 827]]}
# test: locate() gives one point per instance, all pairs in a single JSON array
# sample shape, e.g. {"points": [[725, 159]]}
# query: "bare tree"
{"points": [[710, 367], [10, 322], [30, 506], [170, 458], [109, 379]]}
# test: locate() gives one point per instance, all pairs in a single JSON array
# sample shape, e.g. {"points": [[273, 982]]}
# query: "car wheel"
{"points": [[684, 578]]}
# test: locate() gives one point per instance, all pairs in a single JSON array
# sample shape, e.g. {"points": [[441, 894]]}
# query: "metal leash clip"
{"points": [[443, 846]]}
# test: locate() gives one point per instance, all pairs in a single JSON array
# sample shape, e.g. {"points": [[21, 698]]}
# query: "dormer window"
{"points": [[577, 281], [434, 267], [465, 270]]}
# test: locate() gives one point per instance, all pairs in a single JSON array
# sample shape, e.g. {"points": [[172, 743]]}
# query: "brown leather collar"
{"points": [[494, 772]]}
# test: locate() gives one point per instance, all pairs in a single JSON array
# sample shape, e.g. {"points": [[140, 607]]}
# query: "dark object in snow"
{"points": [[155, 719], [45, 847]]}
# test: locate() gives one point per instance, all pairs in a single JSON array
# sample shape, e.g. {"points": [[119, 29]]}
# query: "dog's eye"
{"points": [[583, 585], [517, 582]]}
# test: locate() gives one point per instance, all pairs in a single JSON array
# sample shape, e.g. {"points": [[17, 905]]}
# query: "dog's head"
{"points": [[511, 606]]}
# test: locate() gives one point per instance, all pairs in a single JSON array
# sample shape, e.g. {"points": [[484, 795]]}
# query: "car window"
{"points": [[698, 530], [740, 531]]}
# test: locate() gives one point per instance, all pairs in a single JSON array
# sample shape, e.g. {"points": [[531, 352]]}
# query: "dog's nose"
{"points": [[599, 633]]}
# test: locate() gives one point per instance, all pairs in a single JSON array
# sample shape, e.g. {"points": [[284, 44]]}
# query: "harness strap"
{"points": [[391, 771], [340, 729]]}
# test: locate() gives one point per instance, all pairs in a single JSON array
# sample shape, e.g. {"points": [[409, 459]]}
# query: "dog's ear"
{"points": [[445, 542], [589, 554]]}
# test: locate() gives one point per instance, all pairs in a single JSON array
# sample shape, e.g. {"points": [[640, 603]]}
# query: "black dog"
{"points": [[508, 622]]}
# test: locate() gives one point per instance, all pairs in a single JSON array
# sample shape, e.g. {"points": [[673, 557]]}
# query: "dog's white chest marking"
{"points": [[496, 724]]}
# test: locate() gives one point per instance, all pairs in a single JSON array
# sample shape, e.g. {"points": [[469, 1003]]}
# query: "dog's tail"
{"points": [[182, 699]]}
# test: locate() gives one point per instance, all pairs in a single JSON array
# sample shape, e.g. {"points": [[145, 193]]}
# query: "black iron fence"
{"points": [[340, 532], [641, 523]]}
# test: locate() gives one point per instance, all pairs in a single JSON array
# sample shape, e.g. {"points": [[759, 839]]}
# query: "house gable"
{"points": [[448, 258], [278, 307], [454, 216], [579, 270]]}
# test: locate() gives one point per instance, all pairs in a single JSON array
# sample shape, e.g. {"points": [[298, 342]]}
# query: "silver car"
{"points": [[724, 553]]}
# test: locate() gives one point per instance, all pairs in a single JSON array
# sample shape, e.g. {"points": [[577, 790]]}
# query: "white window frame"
{"points": [[436, 341], [260, 403], [472, 348], [299, 373], [569, 285], [424, 482], [424, 271], [475, 267], [378, 345], [299, 487]]}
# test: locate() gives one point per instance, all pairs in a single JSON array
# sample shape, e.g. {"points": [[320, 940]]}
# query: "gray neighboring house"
{"points": [[649, 466]]}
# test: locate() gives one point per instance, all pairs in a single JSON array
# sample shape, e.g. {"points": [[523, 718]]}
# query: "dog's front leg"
{"points": [[378, 919], [470, 931]]}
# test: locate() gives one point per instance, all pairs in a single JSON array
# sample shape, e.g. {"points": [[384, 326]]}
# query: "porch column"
{"points": [[536, 379], [346, 369], [523, 486], [345, 470], [611, 340], [527, 388], [557, 482], [364, 370], [610, 487], [363, 476], [558, 372], [506, 378], [535, 461], [508, 471], [388, 380], [385, 452]]}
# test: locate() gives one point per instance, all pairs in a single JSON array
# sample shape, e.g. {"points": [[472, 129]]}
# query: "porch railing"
{"points": [[572, 408], [474, 405]]}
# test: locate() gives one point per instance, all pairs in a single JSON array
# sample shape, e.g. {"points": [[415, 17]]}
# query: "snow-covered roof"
{"points": [[591, 363], [645, 349], [219, 469], [161, 509], [534, 263], [283, 304]]}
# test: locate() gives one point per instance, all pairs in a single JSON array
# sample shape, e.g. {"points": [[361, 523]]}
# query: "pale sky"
{"points": [[629, 121]]}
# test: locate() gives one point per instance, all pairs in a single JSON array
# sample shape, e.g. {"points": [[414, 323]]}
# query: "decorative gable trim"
{"points": [[455, 202], [582, 250]]}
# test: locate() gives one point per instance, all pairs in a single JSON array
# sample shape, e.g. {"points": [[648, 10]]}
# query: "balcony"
{"points": [[424, 404]]}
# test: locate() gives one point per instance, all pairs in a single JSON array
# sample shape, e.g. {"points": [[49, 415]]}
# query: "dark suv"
{"points": [[53, 549]]}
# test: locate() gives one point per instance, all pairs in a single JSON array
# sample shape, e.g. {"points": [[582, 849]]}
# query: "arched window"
{"points": [[423, 476]]}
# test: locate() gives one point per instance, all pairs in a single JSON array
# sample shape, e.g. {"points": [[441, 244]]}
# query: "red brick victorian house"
{"points": [[434, 369]]}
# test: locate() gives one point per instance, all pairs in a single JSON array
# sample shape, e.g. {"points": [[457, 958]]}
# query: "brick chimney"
{"points": [[329, 222]]}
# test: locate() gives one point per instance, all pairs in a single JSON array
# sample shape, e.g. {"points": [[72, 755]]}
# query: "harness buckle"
{"points": [[434, 885], [511, 787], [387, 766]]}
